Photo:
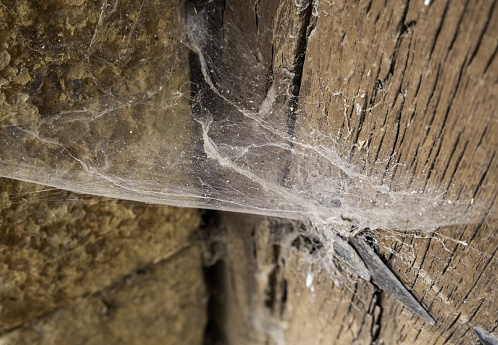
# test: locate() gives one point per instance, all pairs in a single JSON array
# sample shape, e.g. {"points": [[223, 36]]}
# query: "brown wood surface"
{"points": [[426, 79], [434, 119]]}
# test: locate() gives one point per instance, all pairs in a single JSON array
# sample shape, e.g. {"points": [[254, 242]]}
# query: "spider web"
{"points": [[195, 107]]}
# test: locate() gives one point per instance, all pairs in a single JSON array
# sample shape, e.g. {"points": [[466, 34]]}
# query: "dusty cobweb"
{"points": [[202, 111], [214, 121]]}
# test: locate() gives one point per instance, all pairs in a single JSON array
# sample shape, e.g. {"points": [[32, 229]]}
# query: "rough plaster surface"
{"points": [[56, 246]]}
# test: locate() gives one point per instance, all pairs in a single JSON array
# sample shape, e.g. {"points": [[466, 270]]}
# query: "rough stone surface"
{"points": [[86, 87], [57, 247], [162, 303]]}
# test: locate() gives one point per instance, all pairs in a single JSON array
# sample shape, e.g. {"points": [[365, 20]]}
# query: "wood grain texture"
{"points": [[277, 290], [407, 93], [425, 78]]}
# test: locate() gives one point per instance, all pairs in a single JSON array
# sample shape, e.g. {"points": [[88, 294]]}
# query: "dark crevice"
{"points": [[491, 58], [424, 255], [445, 341], [450, 103], [256, 14], [376, 312], [212, 24], [457, 164], [471, 317], [477, 230], [450, 156], [198, 86], [369, 6], [454, 321], [401, 26], [396, 137], [417, 88], [378, 86], [361, 120], [380, 146], [450, 258], [431, 95], [340, 331], [254, 245], [481, 34], [204, 20], [214, 272], [452, 254], [362, 323], [276, 293], [271, 293], [438, 30], [418, 334], [491, 257], [300, 54], [283, 297], [399, 91], [402, 30], [458, 26], [214, 277], [351, 303], [376, 20], [405, 28], [396, 164], [270, 75], [400, 141], [431, 169], [307, 27], [431, 121], [481, 180], [482, 136]]}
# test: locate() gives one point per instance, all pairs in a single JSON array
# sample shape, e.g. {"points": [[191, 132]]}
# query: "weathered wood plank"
{"points": [[278, 288], [406, 93], [427, 92]]}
